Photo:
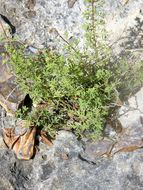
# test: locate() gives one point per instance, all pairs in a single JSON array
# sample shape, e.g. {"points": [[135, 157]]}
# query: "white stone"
{"points": [[139, 99], [132, 102]]}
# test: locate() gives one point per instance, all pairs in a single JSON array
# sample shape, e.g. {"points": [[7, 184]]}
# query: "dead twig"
{"points": [[10, 93]]}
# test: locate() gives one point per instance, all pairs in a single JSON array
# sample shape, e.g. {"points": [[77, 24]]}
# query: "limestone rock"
{"points": [[61, 167], [124, 25], [65, 165], [10, 95], [130, 139], [49, 171], [130, 113], [99, 148], [35, 19]]}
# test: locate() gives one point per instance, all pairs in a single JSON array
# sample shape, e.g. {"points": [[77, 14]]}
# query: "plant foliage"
{"points": [[73, 93]]}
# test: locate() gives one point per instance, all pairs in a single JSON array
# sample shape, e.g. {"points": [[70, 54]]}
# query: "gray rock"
{"points": [[130, 113], [4, 30], [69, 165], [109, 131], [10, 94], [14, 173], [65, 166], [50, 171], [124, 25], [35, 21]]}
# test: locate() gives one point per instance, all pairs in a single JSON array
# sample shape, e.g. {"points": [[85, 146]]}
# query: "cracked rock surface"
{"points": [[36, 21], [70, 165], [10, 94], [132, 110], [124, 24], [50, 170]]}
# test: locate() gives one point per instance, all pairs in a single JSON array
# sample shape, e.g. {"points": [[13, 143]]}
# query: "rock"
{"points": [[130, 113], [61, 167], [34, 19], [71, 3], [10, 95], [4, 29], [7, 29], [112, 129], [2, 144], [130, 139], [69, 165], [124, 23], [109, 131], [77, 174], [49, 171], [139, 100], [99, 148], [15, 174]]}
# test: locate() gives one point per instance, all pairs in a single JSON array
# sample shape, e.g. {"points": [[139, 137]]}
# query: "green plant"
{"points": [[73, 93]]}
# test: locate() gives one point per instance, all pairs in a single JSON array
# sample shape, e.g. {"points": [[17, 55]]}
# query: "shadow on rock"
{"points": [[135, 35]]}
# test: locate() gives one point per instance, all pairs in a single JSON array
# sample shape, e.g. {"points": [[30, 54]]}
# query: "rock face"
{"points": [[69, 164], [132, 110], [130, 138], [124, 24], [39, 22], [131, 118], [36, 20], [61, 167], [10, 95]]}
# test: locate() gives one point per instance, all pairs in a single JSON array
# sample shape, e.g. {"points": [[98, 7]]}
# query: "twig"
{"points": [[66, 41], [126, 2], [10, 93], [132, 50]]}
